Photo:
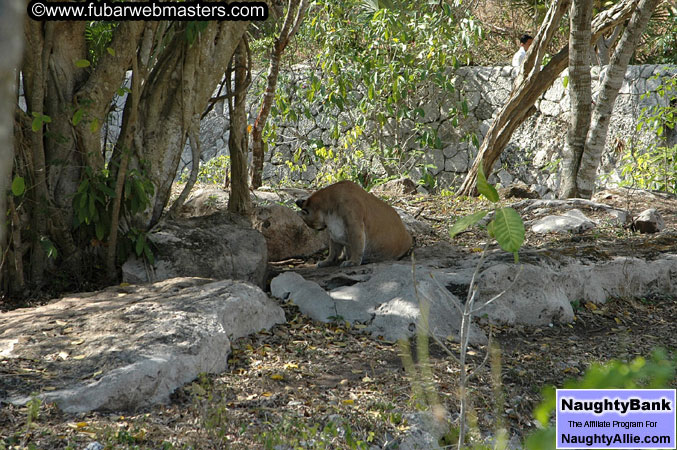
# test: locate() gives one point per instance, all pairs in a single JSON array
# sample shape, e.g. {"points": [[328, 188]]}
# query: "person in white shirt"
{"points": [[525, 43]]}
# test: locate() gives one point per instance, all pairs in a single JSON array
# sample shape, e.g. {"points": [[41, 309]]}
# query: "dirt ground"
{"points": [[314, 385]]}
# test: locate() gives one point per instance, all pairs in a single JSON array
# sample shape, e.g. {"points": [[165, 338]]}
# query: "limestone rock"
{"points": [[424, 431], [649, 221], [518, 190], [128, 347], [384, 299], [382, 295], [220, 246], [287, 236], [572, 221], [400, 186], [205, 201]]}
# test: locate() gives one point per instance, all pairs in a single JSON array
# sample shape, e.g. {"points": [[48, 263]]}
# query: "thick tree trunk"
{"points": [[177, 89], [55, 87], [239, 201], [11, 46], [530, 85], [594, 145], [295, 15], [580, 94]]}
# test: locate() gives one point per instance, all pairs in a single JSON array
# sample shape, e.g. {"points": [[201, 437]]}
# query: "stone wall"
{"points": [[532, 156]]}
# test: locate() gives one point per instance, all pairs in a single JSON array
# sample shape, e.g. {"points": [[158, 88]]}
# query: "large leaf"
{"points": [[484, 188], [466, 222], [18, 186], [508, 229]]}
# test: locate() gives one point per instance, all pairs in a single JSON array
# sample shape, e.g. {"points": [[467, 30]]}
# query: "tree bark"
{"points": [[11, 46], [295, 14], [239, 201], [126, 139], [580, 94], [594, 145], [531, 84], [177, 89]]}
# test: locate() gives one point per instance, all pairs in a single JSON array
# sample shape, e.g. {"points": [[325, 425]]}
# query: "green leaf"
{"points": [[149, 254], [110, 51], [484, 188], [82, 63], [99, 231], [77, 117], [140, 244], [94, 126], [18, 186], [565, 81], [508, 229], [48, 247], [36, 125], [466, 222], [92, 206]]}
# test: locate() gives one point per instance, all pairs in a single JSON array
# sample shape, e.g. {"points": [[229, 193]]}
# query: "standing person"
{"points": [[525, 43]]}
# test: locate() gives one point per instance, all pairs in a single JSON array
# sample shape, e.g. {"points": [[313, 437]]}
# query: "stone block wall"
{"points": [[534, 152], [532, 156]]}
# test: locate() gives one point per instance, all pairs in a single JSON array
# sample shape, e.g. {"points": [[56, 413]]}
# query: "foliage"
{"points": [[506, 226], [98, 35], [93, 202], [215, 171], [656, 167], [381, 68], [657, 372]]}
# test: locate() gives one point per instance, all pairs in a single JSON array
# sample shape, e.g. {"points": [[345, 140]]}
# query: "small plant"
{"points": [[93, 201], [214, 171], [506, 226], [656, 372], [655, 168], [508, 230]]}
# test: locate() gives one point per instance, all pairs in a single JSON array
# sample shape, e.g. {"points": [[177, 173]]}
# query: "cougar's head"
{"points": [[311, 215]]}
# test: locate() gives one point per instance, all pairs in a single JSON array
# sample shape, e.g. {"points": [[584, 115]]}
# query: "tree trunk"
{"points": [[55, 87], [11, 45], [604, 45], [580, 94], [177, 89], [530, 85], [239, 201], [295, 15], [594, 145]]}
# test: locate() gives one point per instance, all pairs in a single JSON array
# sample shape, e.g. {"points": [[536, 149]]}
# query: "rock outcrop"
{"points": [[128, 347], [220, 246]]}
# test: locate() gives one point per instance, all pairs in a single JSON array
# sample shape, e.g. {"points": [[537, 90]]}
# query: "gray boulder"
{"points": [[382, 296], [128, 347], [205, 200], [573, 221], [649, 221], [219, 246], [287, 236], [384, 299], [400, 186]]}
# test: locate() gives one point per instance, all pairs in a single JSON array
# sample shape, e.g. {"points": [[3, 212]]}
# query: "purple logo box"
{"points": [[616, 418]]}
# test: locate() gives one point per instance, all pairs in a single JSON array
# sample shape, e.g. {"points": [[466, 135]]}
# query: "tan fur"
{"points": [[360, 224]]}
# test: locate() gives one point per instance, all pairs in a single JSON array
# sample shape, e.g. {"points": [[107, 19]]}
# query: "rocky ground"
{"points": [[313, 385]]}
